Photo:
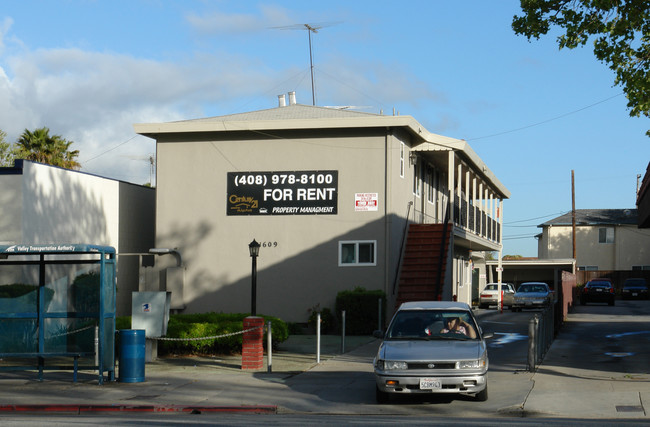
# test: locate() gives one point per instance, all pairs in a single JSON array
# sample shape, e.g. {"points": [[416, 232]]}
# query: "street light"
{"points": [[254, 250]]}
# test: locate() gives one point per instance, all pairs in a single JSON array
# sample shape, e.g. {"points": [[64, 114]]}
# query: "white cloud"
{"points": [[227, 23], [5, 25]]}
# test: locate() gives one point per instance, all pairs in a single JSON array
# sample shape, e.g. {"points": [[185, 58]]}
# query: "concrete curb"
{"points": [[77, 409]]}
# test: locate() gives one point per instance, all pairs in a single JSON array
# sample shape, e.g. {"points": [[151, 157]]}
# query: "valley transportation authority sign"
{"points": [[282, 193]]}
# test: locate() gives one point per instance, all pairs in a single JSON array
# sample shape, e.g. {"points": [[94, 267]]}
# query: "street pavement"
{"points": [[342, 383]]}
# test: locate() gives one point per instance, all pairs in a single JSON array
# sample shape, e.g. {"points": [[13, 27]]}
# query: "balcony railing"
{"points": [[473, 220]]}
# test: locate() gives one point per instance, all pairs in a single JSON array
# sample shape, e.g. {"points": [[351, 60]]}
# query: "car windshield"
{"points": [[599, 284], [634, 283], [532, 288], [429, 324]]}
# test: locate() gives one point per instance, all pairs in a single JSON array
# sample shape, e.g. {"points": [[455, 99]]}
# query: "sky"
{"points": [[88, 70]]}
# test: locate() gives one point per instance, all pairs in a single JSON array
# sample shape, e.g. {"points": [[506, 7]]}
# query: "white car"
{"points": [[490, 294], [419, 353]]}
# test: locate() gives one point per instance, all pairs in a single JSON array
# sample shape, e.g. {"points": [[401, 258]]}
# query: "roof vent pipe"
{"points": [[282, 101], [292, 98]]}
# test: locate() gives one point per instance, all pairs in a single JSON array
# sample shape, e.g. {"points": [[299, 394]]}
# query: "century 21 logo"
{"points": [[243, 202]]}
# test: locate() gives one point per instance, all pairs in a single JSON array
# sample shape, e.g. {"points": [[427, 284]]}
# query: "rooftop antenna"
{"points": [[311, 28]]}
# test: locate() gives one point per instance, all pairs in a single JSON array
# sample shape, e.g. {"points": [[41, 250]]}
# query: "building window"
{"points": [[357, 253], [401, 160], [431, 184], [640, 267], [588, 268], [606, 235], [416, 179]]}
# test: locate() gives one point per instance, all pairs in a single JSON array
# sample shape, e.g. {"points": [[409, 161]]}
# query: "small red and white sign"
{"points": [[364, 202]]}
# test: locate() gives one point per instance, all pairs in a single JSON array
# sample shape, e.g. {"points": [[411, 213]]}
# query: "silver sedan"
{"points": [[532, 295]]}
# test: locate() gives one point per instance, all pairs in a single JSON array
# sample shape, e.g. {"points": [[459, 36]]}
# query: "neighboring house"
{"points": [[606, 240], [43, 204], [338, 199]]}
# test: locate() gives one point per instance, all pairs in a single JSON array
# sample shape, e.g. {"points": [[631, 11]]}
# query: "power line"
{"points": [[110, 149], [545, 121], [533, 219]]}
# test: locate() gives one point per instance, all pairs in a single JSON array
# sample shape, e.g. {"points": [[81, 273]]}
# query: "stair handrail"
{"points": [[401, 249], [443, 254]]}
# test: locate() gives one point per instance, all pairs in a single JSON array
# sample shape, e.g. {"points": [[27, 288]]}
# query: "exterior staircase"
{"points": [[424, 263]]}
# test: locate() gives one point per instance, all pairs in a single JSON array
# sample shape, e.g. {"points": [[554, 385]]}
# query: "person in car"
{"points": [[458, 326]]}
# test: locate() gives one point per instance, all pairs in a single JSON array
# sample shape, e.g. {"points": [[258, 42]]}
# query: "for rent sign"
{"points": [[282, 193]]}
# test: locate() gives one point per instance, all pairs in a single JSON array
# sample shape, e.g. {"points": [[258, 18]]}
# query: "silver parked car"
{"points": [[532, 295], [490, 294], [432, 347]]}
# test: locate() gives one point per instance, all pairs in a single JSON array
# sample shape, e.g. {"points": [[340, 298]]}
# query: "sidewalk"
{"points": [[179, 383], [340, 384]]}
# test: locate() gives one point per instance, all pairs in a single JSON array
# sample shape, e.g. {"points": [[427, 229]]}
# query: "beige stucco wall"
{"points": [[631, 246], [300, 268]]}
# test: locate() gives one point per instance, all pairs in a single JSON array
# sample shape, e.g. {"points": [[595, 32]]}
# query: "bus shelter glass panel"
{"points": [[19, 297]]}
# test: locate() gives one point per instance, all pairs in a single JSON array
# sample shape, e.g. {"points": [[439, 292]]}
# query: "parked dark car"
{"points": [[598, 291], [635, 288]]}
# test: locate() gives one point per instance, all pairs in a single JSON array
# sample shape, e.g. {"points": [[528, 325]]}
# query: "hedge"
{"points": [[208, 325], [361, 310]]}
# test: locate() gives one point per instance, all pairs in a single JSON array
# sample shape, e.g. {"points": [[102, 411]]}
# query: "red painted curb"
{"points": [[138, 408]]}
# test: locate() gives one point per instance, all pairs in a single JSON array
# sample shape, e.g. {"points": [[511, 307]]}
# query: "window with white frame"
{"points": [[416, 179], [588, 267], [641, 267], [431, 184], [401, 160], [606, 235], [357, 253]]}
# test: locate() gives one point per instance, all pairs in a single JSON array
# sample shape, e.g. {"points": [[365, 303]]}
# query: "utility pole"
{"points": [[573, 212]]}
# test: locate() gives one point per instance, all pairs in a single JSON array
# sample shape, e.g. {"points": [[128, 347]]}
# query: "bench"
{"points": [[42, 356]]}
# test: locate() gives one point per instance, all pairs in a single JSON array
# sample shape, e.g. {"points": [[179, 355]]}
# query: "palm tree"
{"points": [[53, 150]]}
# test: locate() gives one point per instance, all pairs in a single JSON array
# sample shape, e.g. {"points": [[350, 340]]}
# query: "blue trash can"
{"points": [[131, 355]]}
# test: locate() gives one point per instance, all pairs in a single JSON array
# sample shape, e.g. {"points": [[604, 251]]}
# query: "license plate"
{"points": [[430, 384], [599, 290], [634, 294]]}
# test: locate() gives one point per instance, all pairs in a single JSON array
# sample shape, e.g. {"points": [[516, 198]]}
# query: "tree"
{"points": [[621, 33], [53, 150], [7, 153]]}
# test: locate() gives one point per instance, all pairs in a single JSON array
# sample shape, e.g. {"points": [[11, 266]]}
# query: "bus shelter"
{"points": [[57, 304]]}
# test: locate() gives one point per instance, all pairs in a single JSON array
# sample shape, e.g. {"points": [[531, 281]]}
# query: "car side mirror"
{"points": [[378, 333]]}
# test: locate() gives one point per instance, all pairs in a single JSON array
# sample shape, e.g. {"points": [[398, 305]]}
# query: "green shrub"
{"points": [[213, 324], [327, 321], [85, 293], [361, 310], [122, 322]]}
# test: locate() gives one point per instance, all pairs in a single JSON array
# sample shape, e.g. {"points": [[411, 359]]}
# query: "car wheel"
{"points": [[381, 396], [611, 303], [482, 395], [583, 302]]}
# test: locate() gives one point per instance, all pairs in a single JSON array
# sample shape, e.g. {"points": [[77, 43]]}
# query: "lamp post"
{"points": [[254, 250]]}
